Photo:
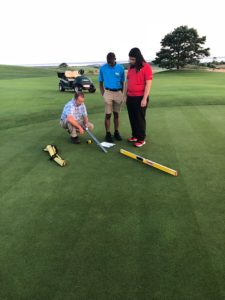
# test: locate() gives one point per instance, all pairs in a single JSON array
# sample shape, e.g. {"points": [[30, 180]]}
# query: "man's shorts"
{"points": [[113, 101], [72, 130]]}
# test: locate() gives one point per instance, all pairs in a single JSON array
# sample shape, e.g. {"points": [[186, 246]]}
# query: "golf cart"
{"points": [[76, 81]]}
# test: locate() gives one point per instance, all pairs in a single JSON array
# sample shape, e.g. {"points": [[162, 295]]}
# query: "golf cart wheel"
{"points": [[61, 89], [92, 90], [77, 89]]}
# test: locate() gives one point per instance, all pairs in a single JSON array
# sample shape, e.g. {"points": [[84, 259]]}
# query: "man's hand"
{"points": [[101, 87], [124, 98], [81, 130]]}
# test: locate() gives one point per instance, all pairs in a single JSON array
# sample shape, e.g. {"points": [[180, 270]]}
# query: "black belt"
{"points": [[113, 90]]}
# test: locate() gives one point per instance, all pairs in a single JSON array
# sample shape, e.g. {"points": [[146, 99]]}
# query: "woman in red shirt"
{"points": [[139, 80]]}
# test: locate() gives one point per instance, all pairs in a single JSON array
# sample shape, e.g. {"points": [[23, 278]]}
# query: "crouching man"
{"points": [[74, 117]]}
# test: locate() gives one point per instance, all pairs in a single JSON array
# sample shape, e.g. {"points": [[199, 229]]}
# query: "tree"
{"points": [[181, 47], [63, 65]]}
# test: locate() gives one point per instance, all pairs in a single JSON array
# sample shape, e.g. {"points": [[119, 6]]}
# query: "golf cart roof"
{"points": [[68, 74], [72, 74]]}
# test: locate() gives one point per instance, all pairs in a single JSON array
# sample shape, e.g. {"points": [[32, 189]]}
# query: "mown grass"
{"points": [[16, 72], [105, 226]]}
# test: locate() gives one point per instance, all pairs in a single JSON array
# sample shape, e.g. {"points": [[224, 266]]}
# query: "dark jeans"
{"points": [[137, 116]]}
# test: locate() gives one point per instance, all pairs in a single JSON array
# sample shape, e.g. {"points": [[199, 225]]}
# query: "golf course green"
{"points": [[107, 227]]}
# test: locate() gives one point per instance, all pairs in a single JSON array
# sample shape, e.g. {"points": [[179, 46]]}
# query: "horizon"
{"points": [[99, 63]]}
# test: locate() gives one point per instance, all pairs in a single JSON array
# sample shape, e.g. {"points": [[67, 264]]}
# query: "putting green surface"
{"points": [[106, 226]]}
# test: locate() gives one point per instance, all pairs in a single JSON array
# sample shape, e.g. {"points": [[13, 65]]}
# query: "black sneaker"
{"points": [[75, 140], [117, 135], [108, 137]]}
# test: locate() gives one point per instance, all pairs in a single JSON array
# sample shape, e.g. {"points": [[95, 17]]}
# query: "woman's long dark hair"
{"points": [[136, 53]]}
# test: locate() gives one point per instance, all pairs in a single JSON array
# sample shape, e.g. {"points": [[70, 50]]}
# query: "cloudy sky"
{"points": [[55, 31]]}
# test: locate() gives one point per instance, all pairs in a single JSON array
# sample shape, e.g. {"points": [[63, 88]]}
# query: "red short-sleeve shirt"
{"points": [[136, 80]]}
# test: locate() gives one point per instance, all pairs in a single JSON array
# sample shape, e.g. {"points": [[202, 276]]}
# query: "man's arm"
{"points": [[122, 86], [125, 91], [148, 85], [85, 121], [122, 81], [74, 122], [101, 87]]}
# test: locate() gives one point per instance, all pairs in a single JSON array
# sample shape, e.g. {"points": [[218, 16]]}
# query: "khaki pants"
{"points": [[73, 131], [113, 101]]}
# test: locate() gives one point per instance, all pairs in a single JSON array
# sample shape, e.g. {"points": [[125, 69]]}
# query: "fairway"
{"points": [[106, 226]]}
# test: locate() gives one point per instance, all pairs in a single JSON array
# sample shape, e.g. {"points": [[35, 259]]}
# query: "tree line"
{"points": [[183, 46]]}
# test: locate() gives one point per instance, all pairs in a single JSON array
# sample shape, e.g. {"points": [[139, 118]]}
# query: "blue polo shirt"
{"points": [[111, 76]]}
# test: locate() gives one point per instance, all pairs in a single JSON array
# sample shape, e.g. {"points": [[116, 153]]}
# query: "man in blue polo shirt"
{"points": [[111, 81]]}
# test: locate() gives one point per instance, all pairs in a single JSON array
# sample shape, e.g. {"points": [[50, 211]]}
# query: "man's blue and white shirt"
{"points": [[77, 111]]}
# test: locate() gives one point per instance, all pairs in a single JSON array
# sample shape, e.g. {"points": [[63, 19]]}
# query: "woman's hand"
{"points": [[143, 102]]}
